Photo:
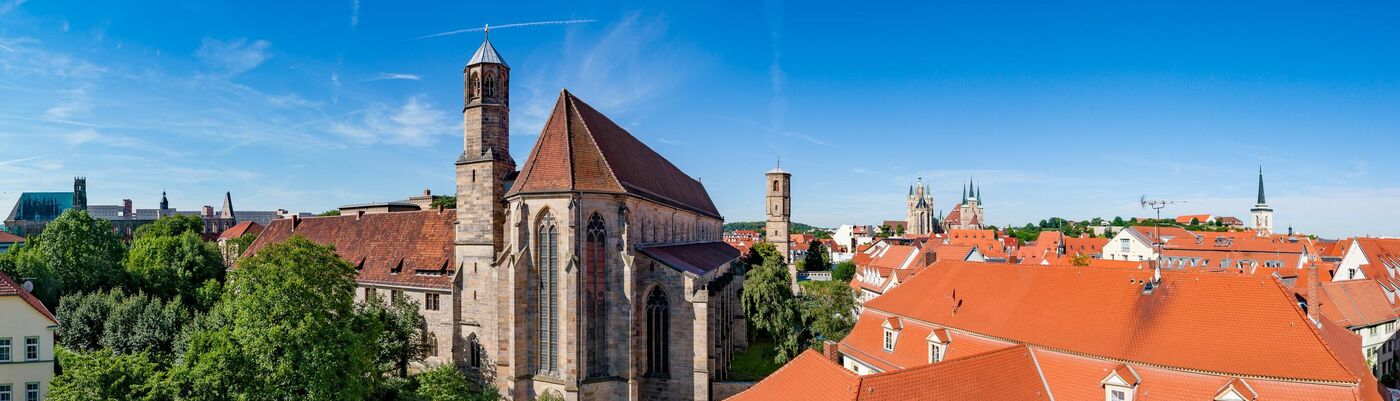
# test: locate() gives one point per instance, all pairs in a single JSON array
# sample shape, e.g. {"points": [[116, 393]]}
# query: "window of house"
{"points": [[31, 391], [369, 294], [935, 352], [474, 351], [1117, 395], [547, 260], [396, 296], [596, 286], [658, 334], [430, 301], [1124, 245], [6, 392], [5, 350], [31, 348], [890, 337]]}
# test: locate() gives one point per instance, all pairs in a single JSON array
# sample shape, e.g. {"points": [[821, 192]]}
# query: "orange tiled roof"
{"points": [[809, 377], [7, 238], [580, 149], [241, 229], [1356, 303], [1056, 307], [403, 248]]}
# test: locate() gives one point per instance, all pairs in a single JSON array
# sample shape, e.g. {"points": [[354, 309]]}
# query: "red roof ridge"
{"points": [[1313, 328]]}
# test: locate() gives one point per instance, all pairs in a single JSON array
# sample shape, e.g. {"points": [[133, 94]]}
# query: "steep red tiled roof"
{"points": [[8, 288], [8, 238], [696, 258], [241, 229], [582, 150], [1356, 303], [1007, 374], [1085, 246], [403, 248], [809, 377], [1104, 312]]}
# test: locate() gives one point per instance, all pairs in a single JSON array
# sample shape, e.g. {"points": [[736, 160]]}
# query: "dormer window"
{"points": [[892, 327], [938, 341], [1120, 384]]}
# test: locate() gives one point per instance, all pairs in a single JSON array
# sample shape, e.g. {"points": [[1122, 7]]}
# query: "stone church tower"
{"points": [[779, 211], [920, 219], [482, 173], [1262, 213]]}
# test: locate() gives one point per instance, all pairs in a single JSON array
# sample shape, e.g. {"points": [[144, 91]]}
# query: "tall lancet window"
{"points": [[489, 87], [596, 287], [658, 334], [547, 259]]}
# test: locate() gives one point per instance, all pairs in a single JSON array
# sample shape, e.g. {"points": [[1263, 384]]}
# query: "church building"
{"points": [[921, 219], [596, 271], [968, 215]]}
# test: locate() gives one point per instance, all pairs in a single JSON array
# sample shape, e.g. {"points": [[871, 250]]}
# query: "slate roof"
{"points": [[40, 206], [404, 248], [581, 150], [695, 258], [8, 288], [486, 54]]}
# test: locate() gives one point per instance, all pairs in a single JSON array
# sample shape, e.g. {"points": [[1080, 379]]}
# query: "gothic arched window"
{"points": [[658, 315], [473, 351], [547, 259], [489, 87], [595, 285], [474, 86]]}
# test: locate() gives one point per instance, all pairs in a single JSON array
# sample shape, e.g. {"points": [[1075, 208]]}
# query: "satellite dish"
{"points": [[28, 286]]}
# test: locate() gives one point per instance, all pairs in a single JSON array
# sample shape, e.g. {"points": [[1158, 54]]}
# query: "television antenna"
{"points": [[1156, 205]]}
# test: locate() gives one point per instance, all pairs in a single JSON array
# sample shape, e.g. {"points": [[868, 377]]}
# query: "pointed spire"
{"points": [[486, 54], [164, 203], [1261, 184], [227, 211]]}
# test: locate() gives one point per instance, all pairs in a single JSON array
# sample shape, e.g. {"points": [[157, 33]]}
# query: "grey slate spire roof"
{"points": [[487, 54], [1261, 185]]}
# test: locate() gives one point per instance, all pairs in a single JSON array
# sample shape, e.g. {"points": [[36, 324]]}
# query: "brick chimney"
{"points": [[1314, 292], [126, 209], [829, 351], [208, 211]]}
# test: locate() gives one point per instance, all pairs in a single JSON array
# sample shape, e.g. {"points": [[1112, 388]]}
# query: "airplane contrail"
{"points": [[522, 24]]}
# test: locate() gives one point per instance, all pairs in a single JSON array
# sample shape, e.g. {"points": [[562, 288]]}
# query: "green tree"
{"points": [[828, 309], [446, 383], [170, 226], [817, 258], [104, 375], [1118, 221], [75, 253], [762, 252], [172, 264], [83, 319], [445, 202], [768, 304], [121, 323], [402, 340], [844, 272], [285, 328], [332, 212]]}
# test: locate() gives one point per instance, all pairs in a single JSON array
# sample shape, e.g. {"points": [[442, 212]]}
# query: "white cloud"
{"points": [[76, 102], [81, 136], [354, 14], [392, 75], [415, 123], [233, 56]]}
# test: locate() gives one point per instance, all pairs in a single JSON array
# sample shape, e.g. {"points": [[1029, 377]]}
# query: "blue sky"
{"points": [[1065, 110]]}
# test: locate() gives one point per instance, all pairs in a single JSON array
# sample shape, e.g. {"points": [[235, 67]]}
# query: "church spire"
{"points": [[1261, 185], [164, 203]]}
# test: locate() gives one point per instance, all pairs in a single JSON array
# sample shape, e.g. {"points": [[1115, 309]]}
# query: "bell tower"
{"points": [[482, 180], [779, 211], [1262, 213]]}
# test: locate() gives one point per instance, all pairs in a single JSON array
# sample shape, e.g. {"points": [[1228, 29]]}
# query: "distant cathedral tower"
{"points": [[779, 210], [1263, 214], [920, 219], [483, 171], [80, 193]]}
